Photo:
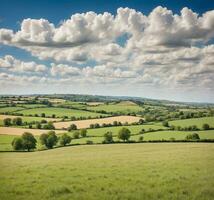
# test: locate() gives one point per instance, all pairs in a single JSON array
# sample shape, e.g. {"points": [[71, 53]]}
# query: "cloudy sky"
{"points": [[161, 49]]}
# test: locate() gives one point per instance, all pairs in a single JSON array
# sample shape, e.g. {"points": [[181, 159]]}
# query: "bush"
{"points": [[140, 138], [76, 135], [38, 126], [165, 123], [17, 144], [193, 136], [17, 121], [89, 142], [65, 139], [108, 138], [142, 131], [72, 127], [7, 122], [49, 126], [83, 132], [206, 126], [124, 134], [49, 139]]}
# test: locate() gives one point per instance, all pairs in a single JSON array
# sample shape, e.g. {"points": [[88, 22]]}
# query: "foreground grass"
{"points": [[122, 171]]}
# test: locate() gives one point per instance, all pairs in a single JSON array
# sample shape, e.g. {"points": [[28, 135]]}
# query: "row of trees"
{"points": [[28, 142], [15, 121]]}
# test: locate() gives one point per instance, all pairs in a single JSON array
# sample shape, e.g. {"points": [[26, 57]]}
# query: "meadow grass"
{"points": [[10, 109], [177, 135], [119, 171], [193, 121], [117, 108], [59, 112]]}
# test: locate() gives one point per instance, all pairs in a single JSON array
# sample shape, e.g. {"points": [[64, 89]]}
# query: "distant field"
{"points": [[59, 112], [27, 119], [86, 123], [121, 171], [32, 105], [194, 121], [19, 131], [123, 107], [10, 109]]}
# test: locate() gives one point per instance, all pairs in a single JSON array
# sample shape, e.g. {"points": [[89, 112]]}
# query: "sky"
{"points": [[154, 49]]}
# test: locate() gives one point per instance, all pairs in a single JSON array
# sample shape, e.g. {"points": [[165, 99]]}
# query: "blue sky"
{"points": [[121, 64]]}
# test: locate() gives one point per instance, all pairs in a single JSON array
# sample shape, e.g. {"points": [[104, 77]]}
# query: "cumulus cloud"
{"points": [[159, 49], [12, 64]]}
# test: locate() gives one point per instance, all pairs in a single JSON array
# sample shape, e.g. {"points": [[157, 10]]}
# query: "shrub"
{"points": [[165, 123], [76, 135], [124, 134], [43, 115], [72, 127], [17, 143], [89, 142], [142, 131], [49, 139], [140, 138], [206, 126], [141, 121], [108, 138], [83, 132], [38, 126], [65, 139], [49, 126], [7, 122], [17, 121], [43, 121], [193, 136]]}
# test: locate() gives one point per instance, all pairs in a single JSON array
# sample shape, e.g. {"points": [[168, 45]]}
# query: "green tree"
{"points": [[193, 136], [72, 127], [83, 132], [206, 126], [38, 125], [17, 143], [76, 135], [124, 134], [65, 139], [108, 138], [7, 122], [140, 138], [165, 123], [17, 121], [49, 139], [28, 141], [49, 126]]}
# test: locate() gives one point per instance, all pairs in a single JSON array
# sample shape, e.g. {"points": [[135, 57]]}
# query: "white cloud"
{"points": [[160, 49]]}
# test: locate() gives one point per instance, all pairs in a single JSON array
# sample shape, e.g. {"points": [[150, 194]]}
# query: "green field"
{"points": [[117, 108], [194, 121], [32, 105], [125, 171], [10, 109], [28, 119], [177, 135], [59, 112]]}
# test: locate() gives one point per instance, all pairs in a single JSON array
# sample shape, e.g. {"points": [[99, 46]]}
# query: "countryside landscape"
{"points": [[106, 100]]}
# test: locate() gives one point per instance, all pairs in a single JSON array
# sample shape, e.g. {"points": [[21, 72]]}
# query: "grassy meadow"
{"points": [[59, 112], [194, 121], [120, 171]]}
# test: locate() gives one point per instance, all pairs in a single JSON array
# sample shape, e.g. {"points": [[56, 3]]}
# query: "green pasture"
{"points": [[59, 112], [193, 121], [166, 171]]}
